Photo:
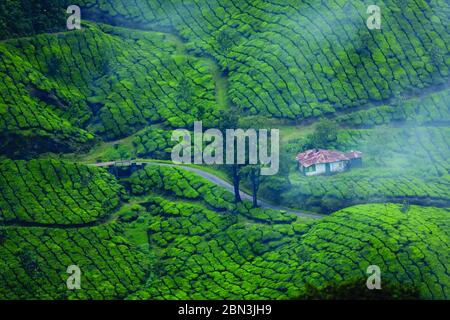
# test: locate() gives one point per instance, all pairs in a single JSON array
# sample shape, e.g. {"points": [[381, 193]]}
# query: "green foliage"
{"points": [[105, 80], [269, 216], [324, 136], [52, 192], [153, 143], [399, 163], [181, 183], [296, 60], [406, 247], [236, 253], [198, 249], [170, 234], [204, 254], [355, 289], [28, 17], [34, 263], [432, 108], [329, 193]]}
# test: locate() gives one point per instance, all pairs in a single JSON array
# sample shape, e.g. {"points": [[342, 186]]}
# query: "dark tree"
{"points": [[229, 120], [324, 136], [436, 56], [236, 174], [405, 206], [27, 17], [255, 174], [255, 177], [184, 90]]}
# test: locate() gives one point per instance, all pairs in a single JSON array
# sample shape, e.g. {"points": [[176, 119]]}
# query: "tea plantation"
{"points": [[71, 101], [302, 59], [58, 86], [52, 192], [160, 247]]}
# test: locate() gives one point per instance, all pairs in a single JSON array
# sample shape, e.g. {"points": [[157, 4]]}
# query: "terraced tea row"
{"points": [[301, 59], [432, 108], [180, 183], [55, 193], [57, 86], [34, 263]]}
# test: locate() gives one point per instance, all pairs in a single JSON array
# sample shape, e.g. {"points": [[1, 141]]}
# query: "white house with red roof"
{"points": [[319, 161]]}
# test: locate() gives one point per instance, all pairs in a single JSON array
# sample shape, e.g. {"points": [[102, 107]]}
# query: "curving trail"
{"points": [[217, 181]]}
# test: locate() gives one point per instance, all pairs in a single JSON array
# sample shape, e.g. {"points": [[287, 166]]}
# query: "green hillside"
{"points": [[73, 102], [302, 59], [59, 86], [165, 248], [51, 192]]}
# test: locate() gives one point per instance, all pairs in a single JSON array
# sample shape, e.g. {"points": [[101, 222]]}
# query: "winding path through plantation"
{"points": [[219, 182]]}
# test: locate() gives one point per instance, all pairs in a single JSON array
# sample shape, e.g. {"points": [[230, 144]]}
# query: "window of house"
{"points": [[310, 168]]}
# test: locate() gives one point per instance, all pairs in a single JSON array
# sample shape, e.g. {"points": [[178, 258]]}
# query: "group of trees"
{"points": [[325, 136], [153, 143]]}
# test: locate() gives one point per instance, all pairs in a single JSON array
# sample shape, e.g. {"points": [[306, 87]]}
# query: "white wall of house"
{"points": [[337, 166], [320, 169]]}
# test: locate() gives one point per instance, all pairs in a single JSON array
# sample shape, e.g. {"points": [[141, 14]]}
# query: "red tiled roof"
{"points": [[353, 154], [317, 156]]}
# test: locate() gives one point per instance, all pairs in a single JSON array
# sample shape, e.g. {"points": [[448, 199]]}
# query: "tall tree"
{"points": [[229, 120], [253, 173], [324, 136]]}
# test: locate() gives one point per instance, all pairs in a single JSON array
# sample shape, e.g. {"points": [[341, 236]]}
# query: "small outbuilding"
{"points": [[319, 161]]}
